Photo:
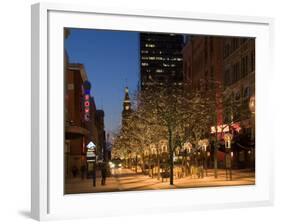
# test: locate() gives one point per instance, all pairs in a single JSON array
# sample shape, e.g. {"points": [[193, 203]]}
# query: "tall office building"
{"points": [[161, 59]]}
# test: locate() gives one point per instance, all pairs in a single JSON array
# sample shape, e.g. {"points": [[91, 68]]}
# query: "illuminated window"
{"points": [[150, 45], [144, 64], [159, 58], [159, 70], [144, 58], [151, 58]]}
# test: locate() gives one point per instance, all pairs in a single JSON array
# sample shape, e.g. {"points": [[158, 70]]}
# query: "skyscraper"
{"points": [[161, 59]]}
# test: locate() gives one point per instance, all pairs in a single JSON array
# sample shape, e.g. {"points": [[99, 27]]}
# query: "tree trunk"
{"points": [[158, 165], [136, 164], [171, 157], [216, 161]]}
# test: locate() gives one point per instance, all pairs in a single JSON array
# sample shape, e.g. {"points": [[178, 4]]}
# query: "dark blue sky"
{"points": [[111, 60]]}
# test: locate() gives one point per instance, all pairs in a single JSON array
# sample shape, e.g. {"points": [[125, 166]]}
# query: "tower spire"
{"points": [[126, 105]]}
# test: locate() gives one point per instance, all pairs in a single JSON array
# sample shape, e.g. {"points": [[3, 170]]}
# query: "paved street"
{"points": [[127, 180]]}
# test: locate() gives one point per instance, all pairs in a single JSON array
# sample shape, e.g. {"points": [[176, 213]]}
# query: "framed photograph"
{"points": [[138, 111]]}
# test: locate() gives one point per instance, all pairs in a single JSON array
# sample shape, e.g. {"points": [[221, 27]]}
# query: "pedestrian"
{"points": [[94, 174], [83, 171], [103, 173], [74, 171]]}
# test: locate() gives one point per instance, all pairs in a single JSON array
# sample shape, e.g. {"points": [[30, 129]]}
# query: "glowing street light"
{"points": [[227, 140]]}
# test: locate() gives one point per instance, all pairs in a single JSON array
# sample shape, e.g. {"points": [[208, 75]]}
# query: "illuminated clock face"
{"points": [[127, 107]]}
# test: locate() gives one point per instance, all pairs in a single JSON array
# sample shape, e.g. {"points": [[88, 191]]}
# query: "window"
{"points": [[237, 96], [235, 72], [226, 50], [159, 70], [246, 92], [252, 61], [234, 44], [227, 80], [150, 45], [244, 68]]}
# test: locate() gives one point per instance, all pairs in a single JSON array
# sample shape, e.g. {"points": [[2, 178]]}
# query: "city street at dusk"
{"points": [[150, 111]]}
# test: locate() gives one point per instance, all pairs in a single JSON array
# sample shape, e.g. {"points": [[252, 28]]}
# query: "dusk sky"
{"points": [[111, 61]]}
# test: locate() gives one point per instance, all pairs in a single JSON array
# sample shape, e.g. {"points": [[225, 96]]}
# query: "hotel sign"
{"points": [[86, 107], [87, 88]]}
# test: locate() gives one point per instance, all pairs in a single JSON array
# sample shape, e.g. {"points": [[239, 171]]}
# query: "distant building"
{"points": [[161, 59], [127, 107]]}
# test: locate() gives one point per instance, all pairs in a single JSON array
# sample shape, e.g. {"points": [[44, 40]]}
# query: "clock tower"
{"points": [[126, 105]]}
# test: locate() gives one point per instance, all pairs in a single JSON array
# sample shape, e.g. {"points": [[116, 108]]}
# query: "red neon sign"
{"points": [[86, 107]]}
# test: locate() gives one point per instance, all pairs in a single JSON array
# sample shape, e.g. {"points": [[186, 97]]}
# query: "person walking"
{"points": [[94, 174], [83, 171], [103, 173], [74, 171]]}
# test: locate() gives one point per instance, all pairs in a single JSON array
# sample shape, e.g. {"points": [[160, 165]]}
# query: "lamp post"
{"points": [[228, 155], [205, 143], [152, 159], [164, 159], [187, 147]]}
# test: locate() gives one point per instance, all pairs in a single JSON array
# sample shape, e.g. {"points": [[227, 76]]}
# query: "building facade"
{"points": [[79, 128], [75, 127], [239, 81], [225, 67], [160, 59], [203, 67]]}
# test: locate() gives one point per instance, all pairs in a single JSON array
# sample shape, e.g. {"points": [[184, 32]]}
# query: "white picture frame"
{"points": [[48, 201]]}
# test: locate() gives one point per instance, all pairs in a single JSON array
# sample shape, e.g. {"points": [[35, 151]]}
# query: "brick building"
{"points": [[79, 131], [239, 83], [203, 67]]}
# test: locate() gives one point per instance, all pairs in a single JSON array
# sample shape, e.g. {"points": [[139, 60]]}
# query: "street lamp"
{"points": [[227, 140], [153, 151], [228, 155], [205, 143]]}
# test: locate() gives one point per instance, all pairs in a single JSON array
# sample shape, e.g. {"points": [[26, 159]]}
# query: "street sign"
{"points": [[91, 154], [91, 146]]}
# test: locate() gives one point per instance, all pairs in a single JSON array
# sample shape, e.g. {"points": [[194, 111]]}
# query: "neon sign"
{"points": [[87, 87], [86, 107]]}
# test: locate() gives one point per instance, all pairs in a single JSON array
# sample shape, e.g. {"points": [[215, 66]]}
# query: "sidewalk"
{"points": [[128, 180]]}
